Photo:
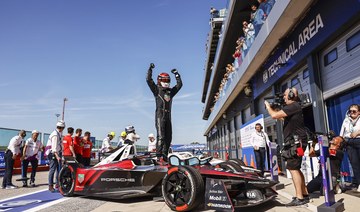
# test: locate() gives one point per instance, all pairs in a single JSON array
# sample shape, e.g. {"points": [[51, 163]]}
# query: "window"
{"points": [[305, 73], [330, 57], [294, 81], [353, 41], [284, 87]]}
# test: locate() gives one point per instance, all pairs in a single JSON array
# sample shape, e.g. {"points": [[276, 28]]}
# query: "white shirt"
{"points": [[259, 139], [105, 145], [349, 126], [152, 146], [32, 147], [55, 141], [15, 144], [133, 137]]}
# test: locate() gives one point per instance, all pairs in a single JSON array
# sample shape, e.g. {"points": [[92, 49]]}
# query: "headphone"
{"points": [[291, 94]]}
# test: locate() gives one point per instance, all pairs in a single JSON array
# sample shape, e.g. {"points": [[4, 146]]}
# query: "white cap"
{"points": [[60, 123], [151, 135], [35, 131]]}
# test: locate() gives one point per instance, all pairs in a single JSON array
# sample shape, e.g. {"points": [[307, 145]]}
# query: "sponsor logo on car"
{"points": [[81, 178], [122, 180]]}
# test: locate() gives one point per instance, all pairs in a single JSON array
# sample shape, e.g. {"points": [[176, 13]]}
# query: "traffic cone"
{"points": [[252, 163], [244, 159]]}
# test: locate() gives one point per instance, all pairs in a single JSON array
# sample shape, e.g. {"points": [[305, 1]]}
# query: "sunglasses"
{"points": [[353, 111]]}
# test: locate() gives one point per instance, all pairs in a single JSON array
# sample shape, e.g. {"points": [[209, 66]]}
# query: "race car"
{"points": [[185, 182]]}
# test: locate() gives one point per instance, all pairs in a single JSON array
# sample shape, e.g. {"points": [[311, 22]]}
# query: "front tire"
{"points": [[67, 181], [183, 188]]}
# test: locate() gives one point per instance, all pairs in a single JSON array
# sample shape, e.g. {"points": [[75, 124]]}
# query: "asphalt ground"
{"points": [[39, 199]]}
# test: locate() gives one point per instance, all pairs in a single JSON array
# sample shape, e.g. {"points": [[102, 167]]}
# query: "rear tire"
{"points": [[67, 181], [183, 188]]}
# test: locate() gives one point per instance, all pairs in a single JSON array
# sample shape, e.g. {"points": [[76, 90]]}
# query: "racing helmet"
{"points": [[163, 80], [129, 129], [112, 134], [123, 134]]}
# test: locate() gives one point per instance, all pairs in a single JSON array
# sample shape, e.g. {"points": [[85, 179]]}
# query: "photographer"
{"points": [[294, 141]]}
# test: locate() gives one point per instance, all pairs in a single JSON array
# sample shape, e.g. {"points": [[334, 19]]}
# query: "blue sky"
{"points": [[96, 53]]}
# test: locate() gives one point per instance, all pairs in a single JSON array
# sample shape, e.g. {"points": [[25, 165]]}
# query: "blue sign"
{"points": [[187, 147], [274, 166], [321, 22], [2, 163]]}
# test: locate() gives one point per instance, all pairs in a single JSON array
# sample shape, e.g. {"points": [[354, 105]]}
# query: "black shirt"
{"points": [[294, 121], [335, 162]]}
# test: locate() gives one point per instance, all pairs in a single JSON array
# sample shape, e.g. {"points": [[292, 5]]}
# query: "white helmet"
{"points": [[151, 135], [60, 123], [129, 129]]}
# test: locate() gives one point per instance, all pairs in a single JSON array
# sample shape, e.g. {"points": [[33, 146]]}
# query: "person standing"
{"points": [[294, 137], [55, 155], [30, 154], [350, 130], [259, 139], [163, 97], [12, 151], [131, 136], [68, 144], [152, 143], [87, 149], [106, 145], [121, 139], [78, 145]]}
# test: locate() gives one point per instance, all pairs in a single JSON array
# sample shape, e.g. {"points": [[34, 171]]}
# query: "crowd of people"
{"points": [[250, 29], [58, 149]]}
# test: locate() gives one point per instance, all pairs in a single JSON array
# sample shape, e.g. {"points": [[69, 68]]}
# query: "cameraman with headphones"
{"points": [[295, 141]]}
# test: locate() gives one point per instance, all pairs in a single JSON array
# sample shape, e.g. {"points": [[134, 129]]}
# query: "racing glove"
{"points": [[174, 71]]}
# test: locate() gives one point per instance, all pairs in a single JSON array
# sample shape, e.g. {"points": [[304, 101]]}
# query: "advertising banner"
{"points": [[2, 163], [247, 149], [216, 196]]}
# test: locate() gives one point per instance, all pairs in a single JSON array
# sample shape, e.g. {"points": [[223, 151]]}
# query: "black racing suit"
{"points": [[163, 99]]}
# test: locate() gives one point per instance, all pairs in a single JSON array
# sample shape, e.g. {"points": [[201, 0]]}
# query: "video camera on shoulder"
{"points": [[277, 101]]}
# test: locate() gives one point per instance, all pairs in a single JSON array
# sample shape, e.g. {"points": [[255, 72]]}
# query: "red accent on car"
{"points": [[182, 208], [174, 169]]}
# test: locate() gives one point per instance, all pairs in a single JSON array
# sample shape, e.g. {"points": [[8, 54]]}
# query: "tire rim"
{"points": [[66, 180], [178, 188]]}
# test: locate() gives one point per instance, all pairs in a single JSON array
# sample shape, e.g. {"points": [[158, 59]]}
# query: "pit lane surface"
{"points": [[40, 199]]}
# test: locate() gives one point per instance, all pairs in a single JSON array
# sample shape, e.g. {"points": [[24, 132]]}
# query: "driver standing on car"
{"points": [[163, 97]]}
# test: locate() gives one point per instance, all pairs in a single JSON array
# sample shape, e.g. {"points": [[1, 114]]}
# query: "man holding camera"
{"points": [[164, 95], [295, 141]]}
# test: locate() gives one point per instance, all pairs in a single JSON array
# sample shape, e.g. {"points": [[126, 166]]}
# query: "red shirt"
{"points": [[78, 145], [67, 142], [87, 149]]}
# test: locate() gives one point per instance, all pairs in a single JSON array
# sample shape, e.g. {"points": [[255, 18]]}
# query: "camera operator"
{"points": [[294, 142]]}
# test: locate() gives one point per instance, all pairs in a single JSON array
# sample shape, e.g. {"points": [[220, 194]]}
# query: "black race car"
{"points": [[185, 182]]}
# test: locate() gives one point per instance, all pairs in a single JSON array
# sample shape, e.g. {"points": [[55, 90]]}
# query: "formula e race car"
{"points": [[185, 182]]}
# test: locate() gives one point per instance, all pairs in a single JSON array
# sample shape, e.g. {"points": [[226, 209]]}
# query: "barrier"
{"points": [[330, 204]]}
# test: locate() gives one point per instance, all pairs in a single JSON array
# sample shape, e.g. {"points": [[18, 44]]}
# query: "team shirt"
{"points": [[105, 147], [67, 142], [87, 149], [259, 139], [32, 147], [78, 145], [55, 141]]}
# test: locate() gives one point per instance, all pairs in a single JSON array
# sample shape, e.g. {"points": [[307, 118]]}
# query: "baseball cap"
{"points": [[151, 135], [35, 131], [60, 123]]}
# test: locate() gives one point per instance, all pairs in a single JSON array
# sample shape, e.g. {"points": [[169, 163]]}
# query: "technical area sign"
{"points": [[321, 22]]}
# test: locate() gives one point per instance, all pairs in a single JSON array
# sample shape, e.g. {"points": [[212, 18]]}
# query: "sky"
{"points": [[96, 54]]}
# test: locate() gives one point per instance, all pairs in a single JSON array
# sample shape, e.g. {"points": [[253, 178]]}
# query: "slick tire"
{"points": [[238, 161], [183, 188], [67, 181], [230, 165]]}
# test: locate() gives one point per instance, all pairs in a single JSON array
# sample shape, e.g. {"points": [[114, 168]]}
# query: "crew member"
{"points": [[12, 151], [87, 149], [131, 136], [152, 143], [122, 139], [106, 145], [68, 144], [30, 155], [55, 154], [259, 139], [78, 145], [163, 97], [295, 141]]}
